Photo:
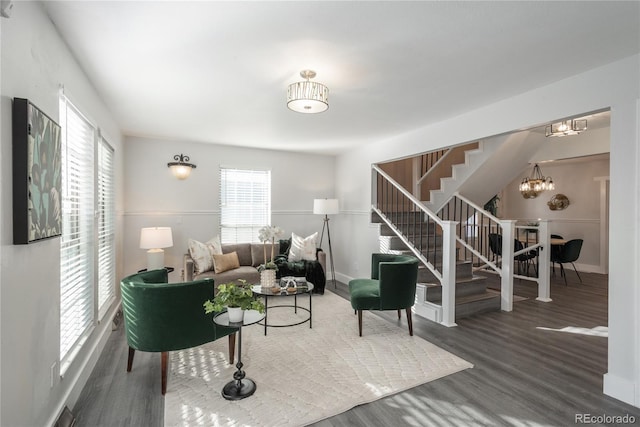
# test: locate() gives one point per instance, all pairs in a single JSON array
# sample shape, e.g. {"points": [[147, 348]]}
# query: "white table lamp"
{"points": [[155, 239], [327, 207]]}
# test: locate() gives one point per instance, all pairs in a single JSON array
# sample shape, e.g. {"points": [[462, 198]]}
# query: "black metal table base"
{"points": [[237, 390]]}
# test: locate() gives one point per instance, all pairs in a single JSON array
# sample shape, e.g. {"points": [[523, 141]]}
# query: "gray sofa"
{"points": [[250, 256]]}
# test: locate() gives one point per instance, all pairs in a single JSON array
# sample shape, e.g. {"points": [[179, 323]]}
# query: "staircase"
{"points": [[472, 296]]}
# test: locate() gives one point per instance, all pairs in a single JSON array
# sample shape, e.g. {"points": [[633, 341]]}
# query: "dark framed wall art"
{"points": [[37, 174]]}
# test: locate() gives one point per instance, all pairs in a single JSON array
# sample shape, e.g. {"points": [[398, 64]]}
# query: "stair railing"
{"points": [[475, 225], [431, 239], [429, 161]]}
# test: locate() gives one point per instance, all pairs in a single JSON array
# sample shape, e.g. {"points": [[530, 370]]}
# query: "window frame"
{"points": [[240, 218]]}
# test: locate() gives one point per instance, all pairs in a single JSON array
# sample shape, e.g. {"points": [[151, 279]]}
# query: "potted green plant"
{"points": [[235, 297]]}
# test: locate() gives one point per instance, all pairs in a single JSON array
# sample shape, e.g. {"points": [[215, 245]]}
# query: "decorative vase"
{"points": [[236, 314], [267, 278]]}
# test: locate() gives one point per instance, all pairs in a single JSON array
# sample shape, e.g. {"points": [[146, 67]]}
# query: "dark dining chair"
{"points": [[569, 253], [495, 244], [555, 250]]}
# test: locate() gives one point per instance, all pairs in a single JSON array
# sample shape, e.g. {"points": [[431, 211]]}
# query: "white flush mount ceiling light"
{"points": [[307, 96], [566, 128]]}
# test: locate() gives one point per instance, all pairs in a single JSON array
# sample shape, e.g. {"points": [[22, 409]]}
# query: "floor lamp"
{"points": [[327, 207]]}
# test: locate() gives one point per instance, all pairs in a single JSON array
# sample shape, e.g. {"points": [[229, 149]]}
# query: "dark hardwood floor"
{"points": [[540, 365]]}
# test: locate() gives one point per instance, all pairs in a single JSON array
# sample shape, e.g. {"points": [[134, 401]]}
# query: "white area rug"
{"points": [[303, 375]]}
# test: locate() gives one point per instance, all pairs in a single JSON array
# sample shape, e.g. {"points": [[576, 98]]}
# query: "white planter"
{"points": [[267, 278], [236, 314]]}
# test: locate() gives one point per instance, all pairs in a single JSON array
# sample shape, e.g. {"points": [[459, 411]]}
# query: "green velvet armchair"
{"points": [[163, 317], [392, 286]]}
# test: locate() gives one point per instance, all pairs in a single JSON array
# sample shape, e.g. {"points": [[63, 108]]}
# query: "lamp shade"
{"points": [[156, 238], [325, 206]]}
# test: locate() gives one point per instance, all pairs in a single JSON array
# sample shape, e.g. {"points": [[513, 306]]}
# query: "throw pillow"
{"points": [[225, 262], [202, 253], [215, 245], [303, 248]]}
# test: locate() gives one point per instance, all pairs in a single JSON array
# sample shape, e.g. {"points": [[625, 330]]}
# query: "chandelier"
{"points": [[307, 96], [531, 186], [566, 127]]}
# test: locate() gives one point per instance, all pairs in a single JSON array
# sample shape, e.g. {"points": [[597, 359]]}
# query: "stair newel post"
{"points": [[544, 261], [374, 187], [506, 282], [449, 273]]}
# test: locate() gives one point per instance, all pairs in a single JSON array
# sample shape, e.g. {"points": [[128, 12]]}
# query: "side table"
{"points": [[240, 387], [169, 270]]}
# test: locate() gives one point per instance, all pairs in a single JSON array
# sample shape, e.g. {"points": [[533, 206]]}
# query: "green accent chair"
{"points": [[392, 286], [163, 317]]}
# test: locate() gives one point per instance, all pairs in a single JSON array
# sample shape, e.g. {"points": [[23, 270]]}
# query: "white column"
{"points": [[544, 260], [449, 273], [506, 283]]}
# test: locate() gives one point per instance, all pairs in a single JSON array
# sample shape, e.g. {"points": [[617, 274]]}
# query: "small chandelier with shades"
{"points": [[566, 128], [307, 96], [533, 185]]}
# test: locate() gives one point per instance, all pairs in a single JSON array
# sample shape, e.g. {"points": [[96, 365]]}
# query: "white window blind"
{"points": [[245, 204], [77, 253], [106, 227]]}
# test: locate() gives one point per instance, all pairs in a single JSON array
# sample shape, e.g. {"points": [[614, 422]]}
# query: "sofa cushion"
{"points": [[303, 248], [242, 249], [225, 262], [202, 253], [257, 253], [245, 272]]}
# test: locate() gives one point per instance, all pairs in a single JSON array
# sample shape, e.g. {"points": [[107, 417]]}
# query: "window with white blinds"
{"points": [[76, 252], [106, 227], [245, 204], [87, 266]]}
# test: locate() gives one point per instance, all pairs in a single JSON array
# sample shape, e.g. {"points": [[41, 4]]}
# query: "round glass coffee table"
{"points": [[268, 293], [240, 387]]}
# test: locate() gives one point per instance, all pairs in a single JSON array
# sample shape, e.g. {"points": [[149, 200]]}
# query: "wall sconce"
{"points": [[181, 168]]}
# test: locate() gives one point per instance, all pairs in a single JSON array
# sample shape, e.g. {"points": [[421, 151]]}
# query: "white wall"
{"points": [[191, 207], [34, 63], [615, 85], [581, 220]]}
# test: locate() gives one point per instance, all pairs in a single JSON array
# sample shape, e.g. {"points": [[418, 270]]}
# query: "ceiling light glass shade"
{"points": [[307, 96], [325, 206], [531, 186], [181, 168], [566, 128]]}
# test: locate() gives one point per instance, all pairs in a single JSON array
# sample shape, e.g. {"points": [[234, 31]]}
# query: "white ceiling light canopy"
{"points": [[307, 96], [566, 128]]}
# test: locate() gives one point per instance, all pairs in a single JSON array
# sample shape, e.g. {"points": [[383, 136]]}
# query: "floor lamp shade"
{"points": [[325, 206], [155, 239]]}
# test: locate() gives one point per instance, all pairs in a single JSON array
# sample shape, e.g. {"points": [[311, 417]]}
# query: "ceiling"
{"points": [[217, 72]]}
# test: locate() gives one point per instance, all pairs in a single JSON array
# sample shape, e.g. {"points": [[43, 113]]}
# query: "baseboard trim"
{"points": [[621, 389]]}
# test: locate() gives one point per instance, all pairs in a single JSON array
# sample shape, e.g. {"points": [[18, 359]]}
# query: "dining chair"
{"points": [[569, 253], [495, 244], [555, 250]]}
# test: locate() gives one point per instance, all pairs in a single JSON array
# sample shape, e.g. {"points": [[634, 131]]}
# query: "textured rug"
{"points": [[303, 375]]}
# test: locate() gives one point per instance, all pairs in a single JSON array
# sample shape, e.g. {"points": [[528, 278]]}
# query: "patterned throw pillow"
{"points": [[303, 248], [202, 254]]}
